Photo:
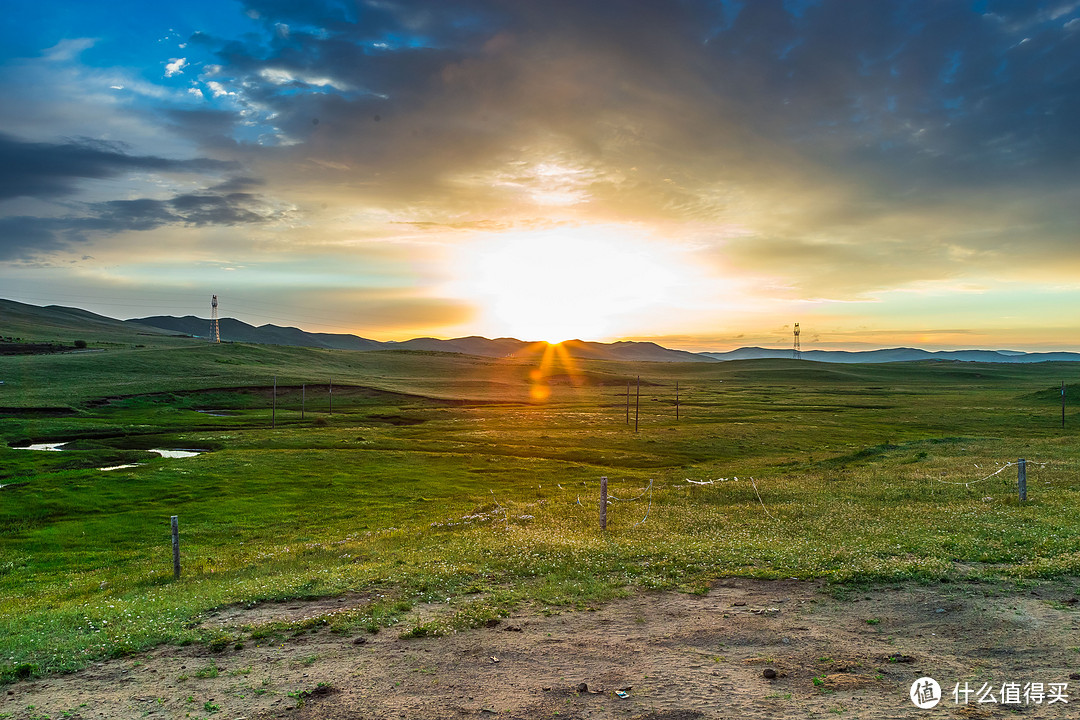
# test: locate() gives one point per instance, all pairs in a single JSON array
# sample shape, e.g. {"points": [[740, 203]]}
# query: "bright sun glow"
{"points": [[565, 283]]}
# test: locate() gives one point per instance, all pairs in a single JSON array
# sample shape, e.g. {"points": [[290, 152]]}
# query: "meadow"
{"points": [[472, 483]]}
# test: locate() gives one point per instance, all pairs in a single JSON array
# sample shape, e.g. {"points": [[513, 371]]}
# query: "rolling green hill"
{"points": [[428, 476], [53, 323]]}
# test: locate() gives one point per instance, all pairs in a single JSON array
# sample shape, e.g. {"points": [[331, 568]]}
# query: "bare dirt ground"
{"points": [[845, 652]]}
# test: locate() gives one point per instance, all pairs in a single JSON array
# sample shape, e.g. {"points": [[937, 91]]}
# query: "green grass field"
{"points": [[442, 479]]}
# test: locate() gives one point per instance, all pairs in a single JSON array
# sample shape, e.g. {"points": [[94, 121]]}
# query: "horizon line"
{"points": [[655, 340]]}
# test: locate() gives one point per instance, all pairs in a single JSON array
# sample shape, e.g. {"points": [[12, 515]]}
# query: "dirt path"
{"points": [[675, 656]]}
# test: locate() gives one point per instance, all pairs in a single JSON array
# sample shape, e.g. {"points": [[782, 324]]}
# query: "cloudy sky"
{"points": [[702, 174]]}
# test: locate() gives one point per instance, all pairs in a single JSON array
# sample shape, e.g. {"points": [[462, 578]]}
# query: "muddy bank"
{"points": [[854, 654]]}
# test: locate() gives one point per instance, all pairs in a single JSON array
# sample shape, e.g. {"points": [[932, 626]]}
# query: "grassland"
{"points": [[442, 479]]}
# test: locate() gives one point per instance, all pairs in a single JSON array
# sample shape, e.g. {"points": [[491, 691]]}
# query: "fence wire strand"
{"points": [[1001, 469]]}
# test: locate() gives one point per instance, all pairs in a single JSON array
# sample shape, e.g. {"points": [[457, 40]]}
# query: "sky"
{"points": [[696, 173]]}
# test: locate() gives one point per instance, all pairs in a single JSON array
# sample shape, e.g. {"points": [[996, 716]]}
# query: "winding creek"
{"points": [[163, 452]]}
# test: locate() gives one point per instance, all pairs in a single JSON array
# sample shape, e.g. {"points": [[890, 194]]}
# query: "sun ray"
{"points": [[555, 359]]}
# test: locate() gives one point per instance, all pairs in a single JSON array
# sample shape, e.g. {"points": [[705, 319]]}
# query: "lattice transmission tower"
{"points": [[796, 349], [215, 332]]}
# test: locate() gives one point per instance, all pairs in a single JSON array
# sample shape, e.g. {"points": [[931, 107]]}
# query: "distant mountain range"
{"points": [[56, 322], [237, 331], [897, 355]]}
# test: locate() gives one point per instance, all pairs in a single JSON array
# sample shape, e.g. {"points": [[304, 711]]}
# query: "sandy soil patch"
{"points": [[850, 654], [236, 616]]}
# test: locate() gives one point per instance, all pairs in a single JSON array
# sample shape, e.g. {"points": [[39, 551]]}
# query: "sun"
{"points": [[567, 283]]}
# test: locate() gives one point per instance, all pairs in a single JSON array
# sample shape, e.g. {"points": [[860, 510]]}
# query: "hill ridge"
{"points": [[899, 354], [70, 322], [238, 331]]}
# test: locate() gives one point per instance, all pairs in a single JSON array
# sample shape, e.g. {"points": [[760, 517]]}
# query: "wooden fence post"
{"points": [[175, 547], [603, 503], [637, 404], [1021, 477]]}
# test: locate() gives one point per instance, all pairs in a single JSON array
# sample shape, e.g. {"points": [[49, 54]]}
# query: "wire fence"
{"points": [[1001, 469], [502, 511]]}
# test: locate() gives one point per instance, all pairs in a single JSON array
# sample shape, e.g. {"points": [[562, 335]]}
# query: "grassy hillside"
{"points": [[31, 323], [471, 480]]}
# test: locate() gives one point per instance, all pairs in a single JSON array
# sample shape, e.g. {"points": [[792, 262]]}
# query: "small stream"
{"points": [[163, 452], [179, 453], [45, 447]]}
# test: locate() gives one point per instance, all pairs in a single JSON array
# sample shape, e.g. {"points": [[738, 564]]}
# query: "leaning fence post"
{"points": [[603, 503], [1021, 477], [175, 547]]}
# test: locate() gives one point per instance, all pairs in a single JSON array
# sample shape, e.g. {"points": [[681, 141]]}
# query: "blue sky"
{"points": [[703, 174]]}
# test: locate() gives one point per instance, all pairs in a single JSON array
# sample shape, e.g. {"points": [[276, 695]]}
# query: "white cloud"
{"points": [[68, 49], [218, 90], [175, 66], [279, 76], [196, 92]]}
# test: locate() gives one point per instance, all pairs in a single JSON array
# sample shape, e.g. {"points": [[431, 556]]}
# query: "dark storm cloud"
{"points": [[863, 138], [46, 170], [929, 92], [25, 237], [906, 96], [239, 183], [52, 170], [211, 128], [415, 22], [191, 209]]}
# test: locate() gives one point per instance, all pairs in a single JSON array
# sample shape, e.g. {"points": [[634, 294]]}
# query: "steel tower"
{"points": [[215, 332]]}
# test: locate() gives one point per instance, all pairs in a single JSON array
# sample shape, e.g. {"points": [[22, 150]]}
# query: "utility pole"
{"points": [[676, 400]]}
